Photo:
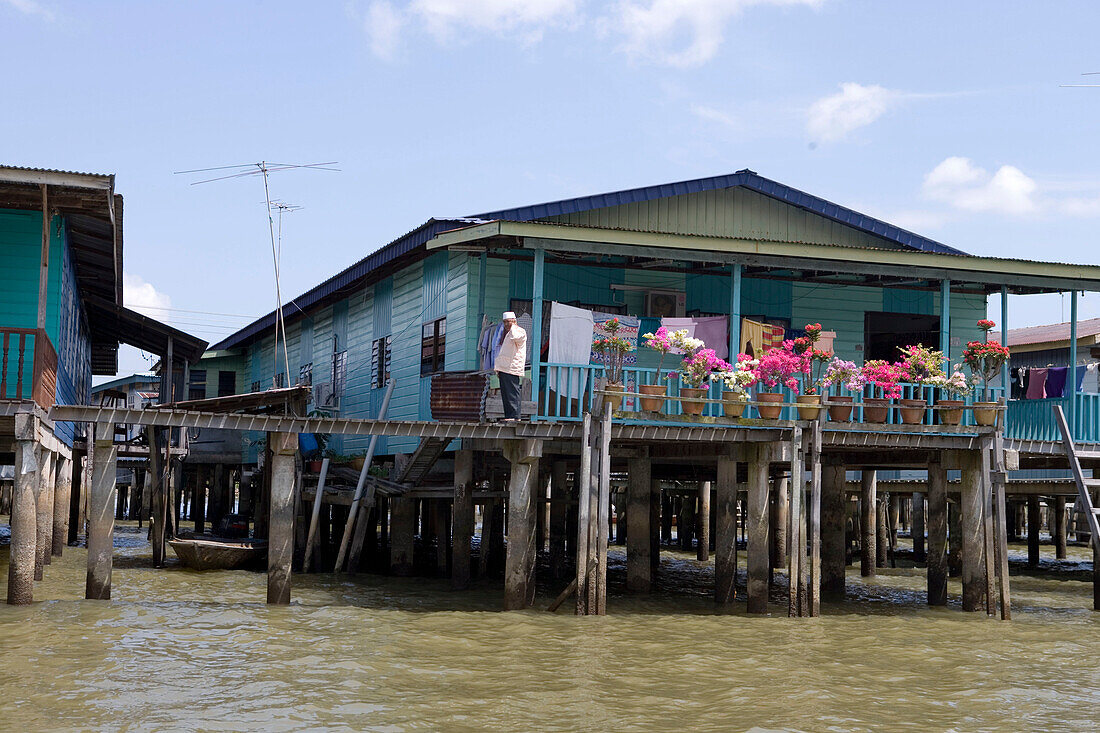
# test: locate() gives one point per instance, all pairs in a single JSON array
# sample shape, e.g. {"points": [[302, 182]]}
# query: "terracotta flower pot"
{"points": [[613, 401], [912, 411], [649, 404], [769, 412], [314, 466], [985, 413], [689, 406], [952, 416], [808, 413], [357, 462], [734, 404], [842, 412], [876, 409]]}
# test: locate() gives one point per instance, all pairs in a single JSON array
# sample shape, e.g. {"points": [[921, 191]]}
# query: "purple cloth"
{"points": [[1036, 386], [1081, 371], [1056, 381], [714, 330]]}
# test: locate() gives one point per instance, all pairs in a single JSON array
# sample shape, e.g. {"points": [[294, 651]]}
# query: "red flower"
{"points": [[986, 325]]}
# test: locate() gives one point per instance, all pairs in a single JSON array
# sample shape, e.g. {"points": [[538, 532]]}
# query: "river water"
{"points": [[178, 650]]}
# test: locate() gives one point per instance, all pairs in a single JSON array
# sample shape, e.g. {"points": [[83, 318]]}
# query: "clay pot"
{"points": [[769, 412], [734, 404], [912, 411], [952, 416], [357, 462], [688, 405], [613, 401], [313, 466], [985, 413], [652, 405], [876, 409], [840, 413], [808, 413]]}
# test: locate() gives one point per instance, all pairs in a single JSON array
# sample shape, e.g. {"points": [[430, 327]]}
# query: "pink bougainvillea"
{"points": [[885, 376], [780, 365]]}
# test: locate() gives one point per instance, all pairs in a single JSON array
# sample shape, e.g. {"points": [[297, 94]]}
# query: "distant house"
{"points": [[737, 246], [1048, 346]]}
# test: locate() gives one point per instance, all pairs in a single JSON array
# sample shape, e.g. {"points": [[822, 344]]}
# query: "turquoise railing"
{"points": [[1034, 419]]}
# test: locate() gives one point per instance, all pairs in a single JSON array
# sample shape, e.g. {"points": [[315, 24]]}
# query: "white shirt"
{"points": [[512, 358]]}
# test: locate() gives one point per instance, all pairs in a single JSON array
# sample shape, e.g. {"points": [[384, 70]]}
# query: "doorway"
{"points": [[885, 333]]}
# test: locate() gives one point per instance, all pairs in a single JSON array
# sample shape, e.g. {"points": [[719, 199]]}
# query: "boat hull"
{"points": [[218, 554]]}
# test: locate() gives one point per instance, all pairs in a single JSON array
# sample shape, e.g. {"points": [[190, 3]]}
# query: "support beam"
{"points": [[954, 539], [736, 271], [23, 519], [62, 492], [198, 499], [973, 565], [937, 535], [535, 342], [463, 519], [882, 531], [1004, 340], [1034, 523], [280, 546], [101, 514], [44, 516], [945, 322], [519, 561], [1072, 378], [639, 578], [725, 539], [756, 521], [559, 518], [868, 507], [834, 504], [586, 531], [76, 501], [155, 479], [1059, 523], [917, 527], [402, 535], [780, 509], [702, 523]]}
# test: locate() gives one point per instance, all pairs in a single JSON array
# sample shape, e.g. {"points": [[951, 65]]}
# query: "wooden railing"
{"points": [[28, 366]]}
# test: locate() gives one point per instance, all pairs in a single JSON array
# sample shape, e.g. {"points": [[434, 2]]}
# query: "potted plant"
{"points": [[885, 378], [845, 374], [806, 347], [778, 366], [737, 381], [956, 385], [695, 371], [663, 341], [922, 366], [610, 351], [985, 359]]}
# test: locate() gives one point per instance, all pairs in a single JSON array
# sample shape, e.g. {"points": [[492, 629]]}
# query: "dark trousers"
{"points": [[509, 394]]}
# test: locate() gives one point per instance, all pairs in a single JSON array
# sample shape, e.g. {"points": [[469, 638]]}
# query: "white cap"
{"points": [[508, 316]]}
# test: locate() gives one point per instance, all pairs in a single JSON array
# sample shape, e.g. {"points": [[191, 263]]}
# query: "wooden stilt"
{"points": [[868, 542], [76, 500], [1000, 538], [639, 566], [519, 562], [917, 526], [814, 521], [101, 518], [62, 490], [973, 569], [604, 500], [687, 530], [159, 513], [1034, 521], [882, 532], [198, 499], [833, 518], [1060, 527], [702, 523], [559, 512], [44, 512], [796, 592], [954, 539], [402, 535], [725, 536], [463, 514], [654, 529], [988, 552], [280, 547], [311, 561], [937, 535], [585, 530], [23, 519]]}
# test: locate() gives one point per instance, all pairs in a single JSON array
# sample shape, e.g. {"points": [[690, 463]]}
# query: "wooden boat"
{"points": [[216, 553]]}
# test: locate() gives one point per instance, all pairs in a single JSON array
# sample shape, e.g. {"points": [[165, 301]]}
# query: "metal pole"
{"points": [[735, 311], [1073, 363], [1004, 340], [536, 326], [945, 320]]}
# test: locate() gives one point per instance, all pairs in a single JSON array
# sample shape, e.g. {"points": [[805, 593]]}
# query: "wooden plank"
{"points": [[987, 531], [815, 521]]}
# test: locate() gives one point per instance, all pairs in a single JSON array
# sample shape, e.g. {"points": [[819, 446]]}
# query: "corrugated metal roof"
{"points": [[748, 179], [1050, 333]]}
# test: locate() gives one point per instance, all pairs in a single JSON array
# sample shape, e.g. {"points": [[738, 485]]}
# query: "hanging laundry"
{"points": [[1056, 381], [489, 346], [756, 338], [527, 323], [570, 343], [1017, 391], [1037, 382], [1081, 371], [628, 329], [714, 331]]}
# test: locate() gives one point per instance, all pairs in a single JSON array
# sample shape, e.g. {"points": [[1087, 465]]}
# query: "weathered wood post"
{"points": [[954, 539], [686, 529], [1059, 527], [868, 507], [702, 523], [101, 516], [654, 528], [882, 531], [756, 520], [44, 512], [586, 535], [973, 566], [280, 548], [559, 512], [725, 533], [76, 500], [402, 535], [1034, 524], [917, 527], [463, 518], [639, 565], [937, 534], [519, 562], [198, 498], [834, 505], [603, 500], [155, 480], [667, 512], [62, 490], [24, 521], [780, 510]]}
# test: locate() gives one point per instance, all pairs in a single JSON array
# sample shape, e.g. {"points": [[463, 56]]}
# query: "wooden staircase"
{"points": [[1085, 486], [421, 461]]}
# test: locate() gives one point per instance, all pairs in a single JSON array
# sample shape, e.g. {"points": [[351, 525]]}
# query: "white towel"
{"points": [[570, 343]]}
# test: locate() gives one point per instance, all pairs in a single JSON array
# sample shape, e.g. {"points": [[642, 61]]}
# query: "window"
{"points": [[305, 374], [433, 338], [196, 384], [227, 383], [339, 372], [255, 387], [380, 361], [280, 380]]}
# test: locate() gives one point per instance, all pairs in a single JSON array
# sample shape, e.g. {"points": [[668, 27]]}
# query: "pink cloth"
{"points": [[1037, 384], [712, 330]]}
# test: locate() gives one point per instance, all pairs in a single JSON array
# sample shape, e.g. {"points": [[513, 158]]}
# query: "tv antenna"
{"points": [[1084, 73], [265, 168]]}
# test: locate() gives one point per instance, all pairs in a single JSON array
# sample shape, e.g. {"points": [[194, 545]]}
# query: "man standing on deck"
{"points": [[510, 363]]}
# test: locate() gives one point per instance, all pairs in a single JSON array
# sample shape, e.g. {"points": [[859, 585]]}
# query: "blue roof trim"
{"points": [[745, 178], [749, 179]]}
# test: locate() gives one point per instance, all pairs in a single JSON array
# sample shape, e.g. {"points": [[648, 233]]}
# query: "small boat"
{"points": [[216, 553]]}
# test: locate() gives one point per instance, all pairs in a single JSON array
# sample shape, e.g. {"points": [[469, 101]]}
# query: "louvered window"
{"points": [[380, 361]]}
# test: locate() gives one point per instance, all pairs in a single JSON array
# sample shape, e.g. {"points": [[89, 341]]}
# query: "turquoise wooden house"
{"points": [[738, 245]]}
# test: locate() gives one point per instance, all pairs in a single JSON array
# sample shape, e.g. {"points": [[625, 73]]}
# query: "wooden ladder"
{"points": [[423, 458], [1083, 484]]}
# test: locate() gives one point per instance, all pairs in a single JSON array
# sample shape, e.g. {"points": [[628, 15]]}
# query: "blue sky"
{"points": [[947, 118]]}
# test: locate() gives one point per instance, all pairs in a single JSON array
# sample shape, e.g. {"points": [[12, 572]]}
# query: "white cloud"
{"points": [[139, 295], [682, 33], [959, 183], [30, 7], [383, 24], [833, 117], [714, 115], [529, 18]]}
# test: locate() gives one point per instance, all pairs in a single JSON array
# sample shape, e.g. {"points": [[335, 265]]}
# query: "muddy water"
{"points": [[178, 650]]}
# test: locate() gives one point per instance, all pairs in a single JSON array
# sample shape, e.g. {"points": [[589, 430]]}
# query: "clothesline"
{"points": [[1036, 383]]}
